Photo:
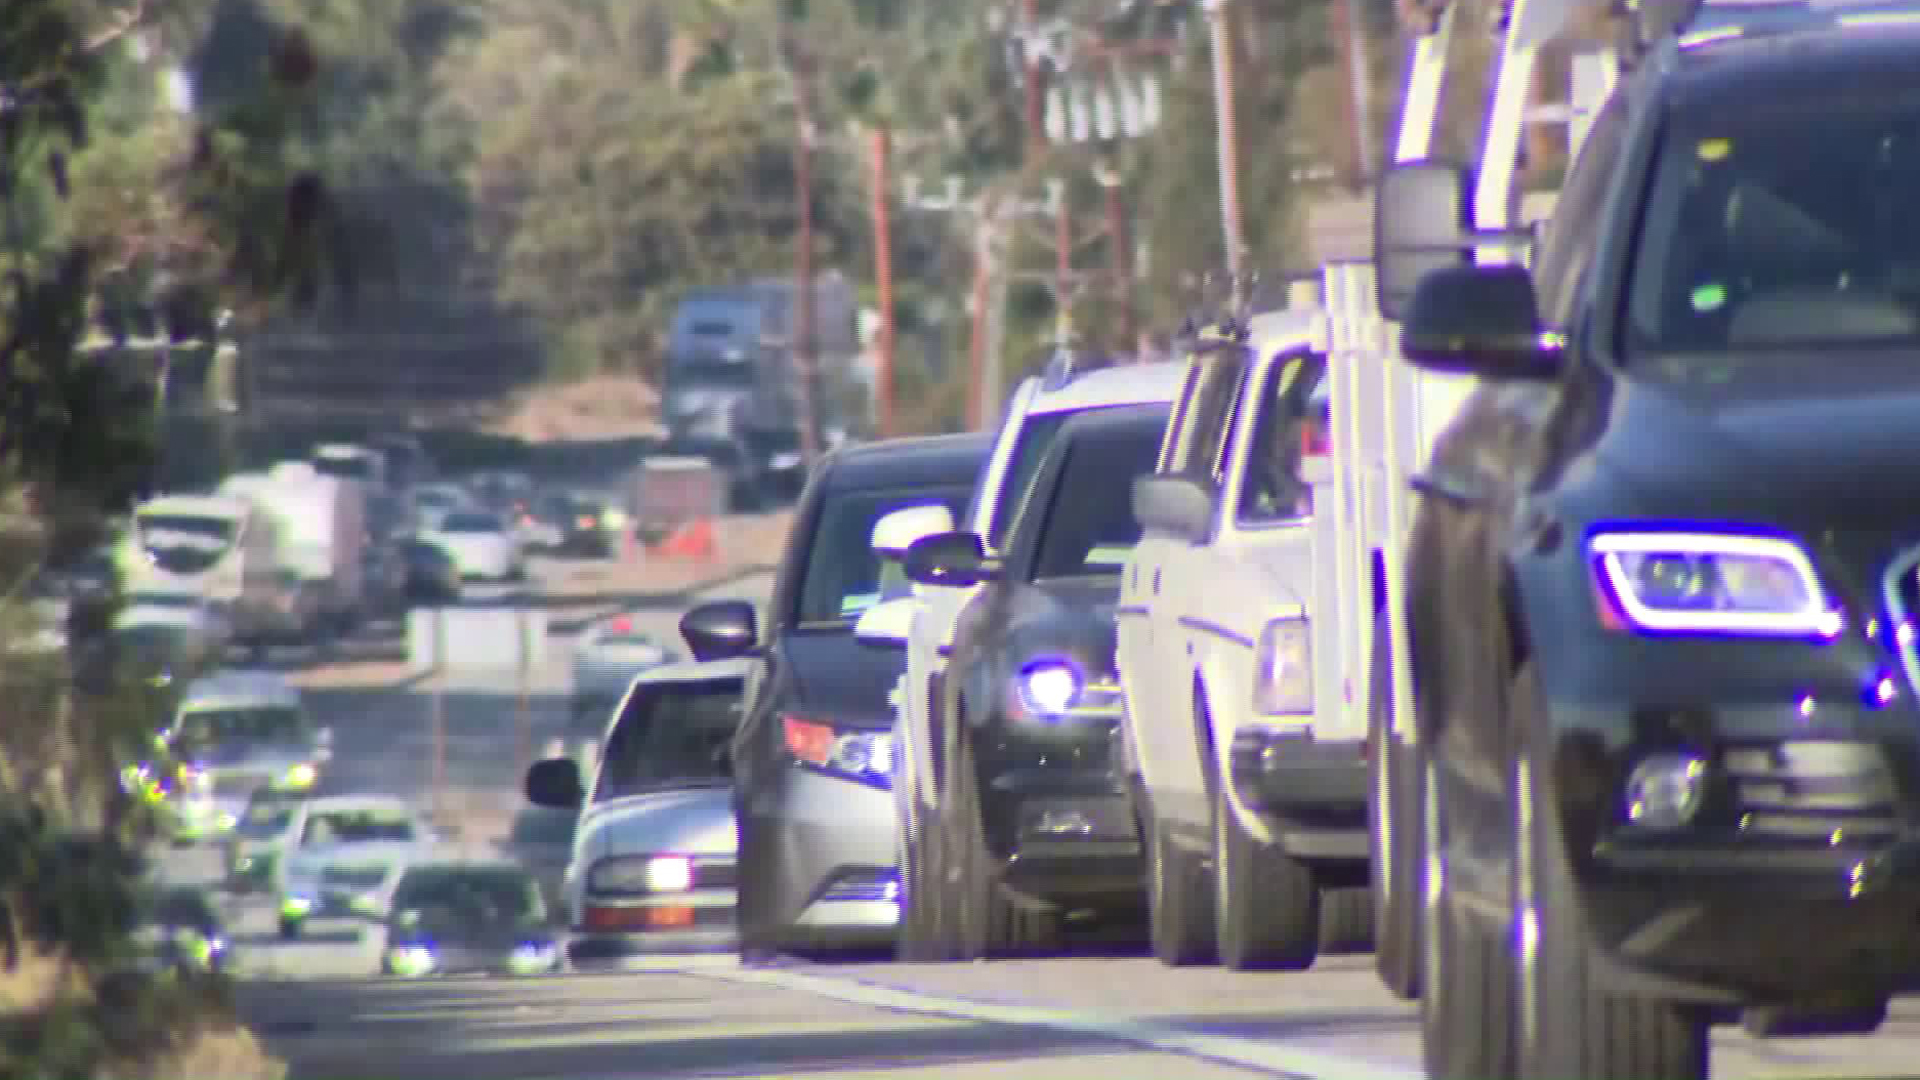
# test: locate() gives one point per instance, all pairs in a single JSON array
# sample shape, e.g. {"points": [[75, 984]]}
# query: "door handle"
{"points": [[1156, 581]]}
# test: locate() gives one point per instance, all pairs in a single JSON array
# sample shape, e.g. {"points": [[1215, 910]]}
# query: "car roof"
{"points": [[219, 506], [1127, 384], [1813, 66], [688, 671], [332, 804], [239, 688], [1102, 420], [931, 459]]}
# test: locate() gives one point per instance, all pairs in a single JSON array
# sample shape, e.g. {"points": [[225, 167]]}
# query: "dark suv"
{"points": [[1663, 577]]}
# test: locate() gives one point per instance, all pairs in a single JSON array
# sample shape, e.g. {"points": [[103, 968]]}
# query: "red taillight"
{"points": [[807, 741], [1314, 441], [621, 625]]}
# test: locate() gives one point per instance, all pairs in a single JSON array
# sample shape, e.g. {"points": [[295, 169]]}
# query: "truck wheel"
{"points": [[1469, 1023], [1396, 862], [985, 921], [1346, 920], [1266, 903], [1179, 895], [1580, 1028], [920, 938]]}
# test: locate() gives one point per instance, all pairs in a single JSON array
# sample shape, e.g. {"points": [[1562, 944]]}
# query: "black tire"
{"points": [[1583, 1029], [985, 920], [1179, 901], [1397, 859], [1469, 1021], [1789, 1022], [1266, 903], [290, 928], [1346, 920], [920, 939]]}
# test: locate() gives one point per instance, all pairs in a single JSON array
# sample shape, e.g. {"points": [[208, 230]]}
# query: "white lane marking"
{"points": [[1251, 1054]]}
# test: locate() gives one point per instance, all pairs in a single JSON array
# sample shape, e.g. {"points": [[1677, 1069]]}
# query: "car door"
{"points": [[1136, 655]]}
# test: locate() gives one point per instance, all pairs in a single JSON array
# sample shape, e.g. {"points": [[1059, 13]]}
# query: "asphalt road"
{"points": [[1092, 1014]]}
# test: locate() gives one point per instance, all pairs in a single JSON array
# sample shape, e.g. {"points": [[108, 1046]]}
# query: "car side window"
{"points": [[1291, 415], [1574, 229]]}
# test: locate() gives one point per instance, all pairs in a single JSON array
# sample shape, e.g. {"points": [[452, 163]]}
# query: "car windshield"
{"points": [[437, 499], [357, 827], [471, 523], [1087, 530], [476, 893], [265, 817], [346, 467], [181, 907], [622, 634], [185, 543], [180, 600], [1030, 448], [217, 726], [670, 735], [843, 576], [1784, 226]]}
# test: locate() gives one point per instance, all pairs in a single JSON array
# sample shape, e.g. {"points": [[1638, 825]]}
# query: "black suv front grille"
{"points": [[1827, 792]]}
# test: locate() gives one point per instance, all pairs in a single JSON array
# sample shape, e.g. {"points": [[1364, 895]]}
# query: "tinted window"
{"points": [[1785, 225], [1029, 449], [843, 573], [471, 523], [1575, 226], [1089, 528], [357, 827], [478, 893], [207, 726], [347, 468], [185, 544], [670, 735]]}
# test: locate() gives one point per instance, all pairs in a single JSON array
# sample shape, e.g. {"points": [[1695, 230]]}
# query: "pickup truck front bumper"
{"points": [[1312, 792]]}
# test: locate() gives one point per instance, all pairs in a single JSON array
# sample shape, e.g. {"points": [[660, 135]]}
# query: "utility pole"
{"points": [[883, 276], [1030, 85], [1119, 252], [1219, 16], [803, 336]]}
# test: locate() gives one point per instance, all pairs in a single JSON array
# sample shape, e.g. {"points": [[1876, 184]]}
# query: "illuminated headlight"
{"points": [[1053, 689], [857, 754], [641, 874], [534, 956], [413, 961], [296, 905], [242, 864], [1283, 668], [1711, 583], [226, 821], [302, 775], [367, 903]]}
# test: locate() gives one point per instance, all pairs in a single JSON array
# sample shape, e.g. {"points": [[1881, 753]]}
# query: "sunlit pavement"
{"points": [[1079, 1017]]}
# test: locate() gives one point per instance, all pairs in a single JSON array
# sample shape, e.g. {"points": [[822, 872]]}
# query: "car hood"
{"points": [[1829, 443], [254, 758], [687, 821], [837, 679], [387, 852]]}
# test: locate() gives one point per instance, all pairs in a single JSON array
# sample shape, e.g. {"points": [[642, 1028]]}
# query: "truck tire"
{"points": [[985, 920], [1469, 1022], [1179, 900], [919, 939], [1583, 1029], [1397, 861]]}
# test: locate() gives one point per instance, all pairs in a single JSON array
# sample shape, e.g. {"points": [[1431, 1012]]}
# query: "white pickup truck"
{"points": [[1250, 778]]}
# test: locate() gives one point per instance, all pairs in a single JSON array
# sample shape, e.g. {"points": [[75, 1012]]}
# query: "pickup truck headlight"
{"points": [[300, 776], [1283, 668], [1709, 583], [1056, 689], [641, 874]]}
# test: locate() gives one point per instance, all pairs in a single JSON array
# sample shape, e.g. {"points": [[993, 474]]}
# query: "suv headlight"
{"points": [[641, 874], [1057, 689], [1283, 668], [1710, 583]]}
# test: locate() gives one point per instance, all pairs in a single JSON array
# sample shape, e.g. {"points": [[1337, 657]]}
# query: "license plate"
{"points": [[661, 917]]}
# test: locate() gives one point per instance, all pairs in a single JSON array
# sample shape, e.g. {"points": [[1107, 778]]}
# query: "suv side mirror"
{"points": [[1422, 221], [954, 560], [1181, 505], [894, 533], [556, 783], [720, 630], [1479, 320]]}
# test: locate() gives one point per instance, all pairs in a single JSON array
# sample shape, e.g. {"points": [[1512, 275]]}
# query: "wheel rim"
{"points": [[1526, 951], [1432, 907]]}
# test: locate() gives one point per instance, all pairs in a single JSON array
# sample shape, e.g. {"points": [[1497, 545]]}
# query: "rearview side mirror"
{"points": [[556, 783], [894, 533], [885, 624], [1180, 505], [1422, 220], [1479, 320], [720, 630], [954, 560]]}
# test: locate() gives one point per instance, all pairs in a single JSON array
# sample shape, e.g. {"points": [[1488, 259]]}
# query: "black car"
{"points": [[541, 840], [1034, 821], [1662, 578], [180, 931], [464, 917], [812, 761], [432, 575]]}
